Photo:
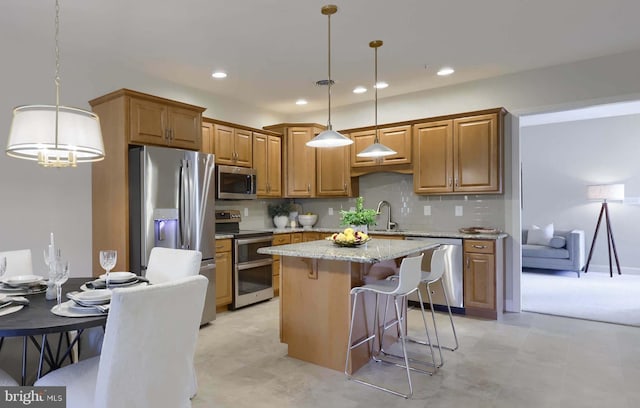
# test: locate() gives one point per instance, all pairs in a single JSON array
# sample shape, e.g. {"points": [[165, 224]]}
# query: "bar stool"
{"points": [[407, 283], [440, 264]]}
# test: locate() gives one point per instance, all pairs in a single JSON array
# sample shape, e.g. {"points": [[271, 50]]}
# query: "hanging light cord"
{"points": [[57, 78], [375, 86], [329, 72]]}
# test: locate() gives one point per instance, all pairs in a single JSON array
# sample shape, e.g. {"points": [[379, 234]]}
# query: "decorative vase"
{"points": [[361, 228], [281, 221]]}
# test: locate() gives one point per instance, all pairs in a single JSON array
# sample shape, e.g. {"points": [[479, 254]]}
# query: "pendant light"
{"points": [[329, 138], [376, 149], [55, 136]]}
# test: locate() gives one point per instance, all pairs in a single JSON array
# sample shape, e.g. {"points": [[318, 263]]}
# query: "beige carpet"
{"points": [[593, 296]]}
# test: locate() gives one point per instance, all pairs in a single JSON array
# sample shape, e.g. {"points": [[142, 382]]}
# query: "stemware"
{"points": [[60, 276], [3, 266], [108, 259]]}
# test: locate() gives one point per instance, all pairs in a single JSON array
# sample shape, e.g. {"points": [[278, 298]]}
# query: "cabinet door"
{"points": [[223, 142], [433, 157], [149, 122], [296, 238], [301, 163], [260, 163], [478, 154], [361, 140], [399, 139], [274, 163], [243, 142], [333, 174], [207, 138], [223, 278], [185, 128], [479, 281]]}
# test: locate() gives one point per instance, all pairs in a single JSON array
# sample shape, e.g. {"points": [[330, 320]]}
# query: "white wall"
{"points": [[555, 180], [36, 201]]}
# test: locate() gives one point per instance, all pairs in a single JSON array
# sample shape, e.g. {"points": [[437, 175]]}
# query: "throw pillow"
{"points": [[540, 236], [558, 242]]}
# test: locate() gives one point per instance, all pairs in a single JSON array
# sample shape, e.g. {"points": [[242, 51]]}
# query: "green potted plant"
{"points": [[359, 219], [280, 213]]}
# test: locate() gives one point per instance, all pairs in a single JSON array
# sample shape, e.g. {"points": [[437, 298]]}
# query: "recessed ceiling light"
{"points": [[381, 85], [301, 102], [219, 74], [359, 90], [444, 71]]}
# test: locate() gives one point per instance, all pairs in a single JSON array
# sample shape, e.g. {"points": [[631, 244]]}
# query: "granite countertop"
{"points": [[405, 233], [375, 250]]}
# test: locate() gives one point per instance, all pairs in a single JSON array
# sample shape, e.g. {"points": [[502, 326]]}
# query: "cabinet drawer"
{"points": [[296, 238], [223, 245], [281, 239], [479, 246]]}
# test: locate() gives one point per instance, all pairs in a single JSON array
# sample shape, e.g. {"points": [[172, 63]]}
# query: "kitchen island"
{"points": [[315, 305]]}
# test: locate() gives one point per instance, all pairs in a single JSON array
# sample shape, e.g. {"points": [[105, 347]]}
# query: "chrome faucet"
{"points": [[390, 225]]}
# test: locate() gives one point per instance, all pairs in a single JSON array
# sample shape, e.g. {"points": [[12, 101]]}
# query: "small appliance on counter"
{"points": [[252, 275]]}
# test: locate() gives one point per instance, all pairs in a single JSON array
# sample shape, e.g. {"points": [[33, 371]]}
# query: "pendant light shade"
{"points": [[329, 137], [54, 135], [376, 149]]}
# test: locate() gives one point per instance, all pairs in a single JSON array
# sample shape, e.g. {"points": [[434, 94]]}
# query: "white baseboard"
{"points": [[605, 269], [508, 306]]}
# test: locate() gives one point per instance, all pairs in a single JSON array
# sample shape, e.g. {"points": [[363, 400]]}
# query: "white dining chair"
{"points": [[18, 262], [6, 380], [167, 264], [149, 344]]}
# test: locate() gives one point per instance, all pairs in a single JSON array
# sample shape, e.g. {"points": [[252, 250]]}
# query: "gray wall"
{"points": [[560, 160]]}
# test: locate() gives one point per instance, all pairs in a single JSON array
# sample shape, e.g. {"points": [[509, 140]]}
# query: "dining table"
{"points": [[36, 322]]}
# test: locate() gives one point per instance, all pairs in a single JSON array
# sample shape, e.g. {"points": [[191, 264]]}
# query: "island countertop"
{"points": [[374, 251]]}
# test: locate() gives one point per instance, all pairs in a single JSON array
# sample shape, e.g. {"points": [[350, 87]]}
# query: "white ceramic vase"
{"points": [[281, 221]]}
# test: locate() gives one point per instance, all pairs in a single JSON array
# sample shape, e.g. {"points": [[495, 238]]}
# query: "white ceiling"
{"points": [[275, 50]]}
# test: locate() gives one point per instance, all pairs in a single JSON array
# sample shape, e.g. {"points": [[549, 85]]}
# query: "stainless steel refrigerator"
{"points": [[172, 205]]}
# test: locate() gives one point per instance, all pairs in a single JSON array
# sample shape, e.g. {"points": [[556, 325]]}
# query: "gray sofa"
{"points": [[571, 257]]}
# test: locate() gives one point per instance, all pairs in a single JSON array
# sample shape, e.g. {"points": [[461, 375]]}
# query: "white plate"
{"points": [[23, 280], [118, 276], [10, 309], [93, 297], [67, 309]]}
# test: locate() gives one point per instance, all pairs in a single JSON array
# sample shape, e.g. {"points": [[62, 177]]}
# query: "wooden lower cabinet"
{"points": [[385, 236], [313, 236], [278, 239], [483, 284], [224, 294]]}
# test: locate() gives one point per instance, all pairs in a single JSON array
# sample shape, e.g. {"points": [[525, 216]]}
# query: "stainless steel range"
{"points": [[252, 274]]}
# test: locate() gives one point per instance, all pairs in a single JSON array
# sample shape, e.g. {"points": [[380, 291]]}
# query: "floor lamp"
{"points": [[604, 192]]}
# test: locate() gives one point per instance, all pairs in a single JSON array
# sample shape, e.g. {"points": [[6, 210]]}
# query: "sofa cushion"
{"points": [[558, 242], [540, 236], [543, 251]]}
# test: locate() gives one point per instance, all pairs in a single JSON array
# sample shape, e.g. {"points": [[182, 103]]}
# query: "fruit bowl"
{"points": [[349, 238]]}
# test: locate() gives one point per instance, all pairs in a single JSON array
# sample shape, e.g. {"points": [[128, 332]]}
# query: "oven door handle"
{"points": [[254, 264], [244, 241]]}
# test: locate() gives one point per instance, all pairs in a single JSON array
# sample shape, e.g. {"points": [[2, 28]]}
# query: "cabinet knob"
{"points": [[345, 187], [479, 246], [467, 262], [450, 181], [308, 187], [457, 182]]}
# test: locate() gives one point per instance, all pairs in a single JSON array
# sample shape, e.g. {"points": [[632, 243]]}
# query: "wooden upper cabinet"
{"points": [[207, 138], [158, 123], [397, 138], [267, 160], [460, 155], [233, 146], [300, 172], [333, 174], [433, 157], [478, 146]]}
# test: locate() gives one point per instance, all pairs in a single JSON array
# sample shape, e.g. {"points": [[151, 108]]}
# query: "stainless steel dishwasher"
{"points": [[452, 279]]}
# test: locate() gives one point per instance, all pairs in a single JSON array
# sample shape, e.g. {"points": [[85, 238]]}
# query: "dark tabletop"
{"points": [[37, 318]]}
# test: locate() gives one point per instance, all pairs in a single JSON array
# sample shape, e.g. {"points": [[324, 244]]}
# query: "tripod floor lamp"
{"points": [[604, 192]]}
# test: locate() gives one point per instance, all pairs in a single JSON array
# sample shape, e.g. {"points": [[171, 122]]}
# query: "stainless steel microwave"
{"points": [[235, 183]]}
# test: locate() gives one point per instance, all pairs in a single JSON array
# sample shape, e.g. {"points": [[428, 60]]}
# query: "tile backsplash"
{"points": [[407, 209]]}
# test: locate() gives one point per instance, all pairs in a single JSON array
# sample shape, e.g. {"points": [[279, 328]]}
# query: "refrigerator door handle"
{"points": [[182, 205]]}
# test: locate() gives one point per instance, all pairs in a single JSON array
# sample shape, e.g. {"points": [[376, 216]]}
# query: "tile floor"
{"points": [[524, 360]]}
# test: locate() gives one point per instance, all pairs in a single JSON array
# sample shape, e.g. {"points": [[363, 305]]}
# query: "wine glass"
{"points": [[3, 266], [108, 260], [60, 276]]}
